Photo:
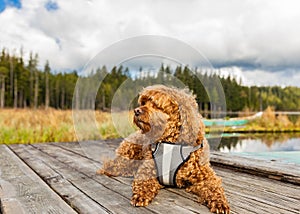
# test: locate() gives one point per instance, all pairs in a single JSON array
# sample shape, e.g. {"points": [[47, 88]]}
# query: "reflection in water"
{"points": [[261, 142], [279, 145]]}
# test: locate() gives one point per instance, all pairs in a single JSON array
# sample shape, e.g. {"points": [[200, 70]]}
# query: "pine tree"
{"points": [[11, 66], [47, 90]]}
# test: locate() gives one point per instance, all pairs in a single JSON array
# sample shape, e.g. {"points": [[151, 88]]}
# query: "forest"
{"points": [[25, 85]]}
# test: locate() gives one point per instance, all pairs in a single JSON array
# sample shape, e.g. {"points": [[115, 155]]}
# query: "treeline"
{"points": [[237, 96], [23, 85]]}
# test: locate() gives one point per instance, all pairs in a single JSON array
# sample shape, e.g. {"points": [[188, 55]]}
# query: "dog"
{"points": [[169, 149]]}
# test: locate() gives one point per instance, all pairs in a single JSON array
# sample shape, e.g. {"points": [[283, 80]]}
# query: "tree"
{"points": [[3, 73], [36, 82], [32, 67], [18, 92], [47, 90], [11, 66]]}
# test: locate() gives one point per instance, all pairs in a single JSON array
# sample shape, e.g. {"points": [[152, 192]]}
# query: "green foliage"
{"points": [[27, 86], [24, 85]]}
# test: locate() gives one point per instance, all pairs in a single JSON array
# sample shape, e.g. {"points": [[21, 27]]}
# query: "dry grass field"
{"points": [[36, 126], [32, 126], [269, 121]]}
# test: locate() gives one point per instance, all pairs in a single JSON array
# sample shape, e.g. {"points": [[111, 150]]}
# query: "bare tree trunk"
{"points": [[77, 105], [63, 98], [15, 92], [47, 97], [31, 89], [24, 100], [2, 98], [11, 65], [36, 90]]}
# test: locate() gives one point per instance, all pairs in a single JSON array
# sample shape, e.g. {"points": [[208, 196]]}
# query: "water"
{"points": [[283, 147]]}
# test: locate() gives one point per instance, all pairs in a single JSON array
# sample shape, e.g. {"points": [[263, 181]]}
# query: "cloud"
{"points": [[259, 34], [265, 78]]}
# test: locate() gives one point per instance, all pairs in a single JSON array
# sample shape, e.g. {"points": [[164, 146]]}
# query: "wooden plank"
{"points": [[249, 200], [276, 196], [160, 204], [286, 191], [22, 191], [96, 147], [111, 201], [57, 181], [157, 207], [270, 169], [255, 194], [71, 164]]}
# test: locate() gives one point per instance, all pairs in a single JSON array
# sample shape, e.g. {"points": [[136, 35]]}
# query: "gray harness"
{"points": [[168, 158]]}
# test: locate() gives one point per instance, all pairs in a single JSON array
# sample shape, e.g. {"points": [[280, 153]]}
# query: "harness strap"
{"points": [[168, 158]]}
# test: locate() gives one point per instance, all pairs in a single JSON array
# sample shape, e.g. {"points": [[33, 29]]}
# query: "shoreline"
{"points": [[262, 130], [255, 130]]}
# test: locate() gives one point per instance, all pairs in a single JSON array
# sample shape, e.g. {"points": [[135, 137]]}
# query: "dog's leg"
{"points": [[208, 186], [202, 181], [145, 185], [127, 161]]}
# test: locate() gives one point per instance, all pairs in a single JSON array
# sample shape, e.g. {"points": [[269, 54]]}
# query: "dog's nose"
{"points": [[137, 111]]}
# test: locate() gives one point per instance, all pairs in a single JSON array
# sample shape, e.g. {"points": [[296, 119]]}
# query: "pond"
{"points": [[280, 146]]}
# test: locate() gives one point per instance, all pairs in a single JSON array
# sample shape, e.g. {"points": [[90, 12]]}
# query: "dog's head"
{"points": [[169, 114]]}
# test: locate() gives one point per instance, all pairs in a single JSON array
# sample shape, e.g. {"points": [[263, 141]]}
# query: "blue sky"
{"points": [[9, 3], [257, 40], [49, 5]]}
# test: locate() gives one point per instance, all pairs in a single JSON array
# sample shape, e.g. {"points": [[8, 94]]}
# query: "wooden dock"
{"points": [[60, 178]]}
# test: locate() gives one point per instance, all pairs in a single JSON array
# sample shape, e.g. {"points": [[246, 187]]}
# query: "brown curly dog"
{"points": [[169, 150]]}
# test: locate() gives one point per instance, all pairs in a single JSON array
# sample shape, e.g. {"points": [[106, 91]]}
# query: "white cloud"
{"points": [[280, 78], [257, 32]]}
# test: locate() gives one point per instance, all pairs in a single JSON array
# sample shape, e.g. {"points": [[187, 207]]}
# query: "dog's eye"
{"points": [[143, 103]]}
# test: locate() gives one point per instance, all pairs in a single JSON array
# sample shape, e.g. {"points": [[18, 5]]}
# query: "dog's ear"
{"points": [[190, 124], [190, 119]]}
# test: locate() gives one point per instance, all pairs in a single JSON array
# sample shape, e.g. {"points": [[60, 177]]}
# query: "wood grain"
{"points": [[60, 178], [23, 191]]}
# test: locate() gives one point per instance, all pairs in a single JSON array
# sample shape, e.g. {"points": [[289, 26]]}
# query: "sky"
{"points": [[255, 40]]}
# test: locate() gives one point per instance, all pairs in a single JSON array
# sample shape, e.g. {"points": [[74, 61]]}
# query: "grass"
{"points": [[32, 126], [269, 122], [36, 126]]}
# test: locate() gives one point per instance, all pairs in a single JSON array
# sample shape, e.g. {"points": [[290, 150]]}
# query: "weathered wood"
{"points": [[57, 181], [249, 193], [110, 200], [22, 191], [164, 202], [118, 185], [256, 194], [69, 170], [270, 169]]}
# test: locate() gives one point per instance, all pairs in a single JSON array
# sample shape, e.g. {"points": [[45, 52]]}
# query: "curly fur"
{"points": [[171, 115]]}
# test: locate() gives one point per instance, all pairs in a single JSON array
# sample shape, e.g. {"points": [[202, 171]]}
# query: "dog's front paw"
{"points": [[140, 201], [100, 171], [103, 172], [220, 208]]}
